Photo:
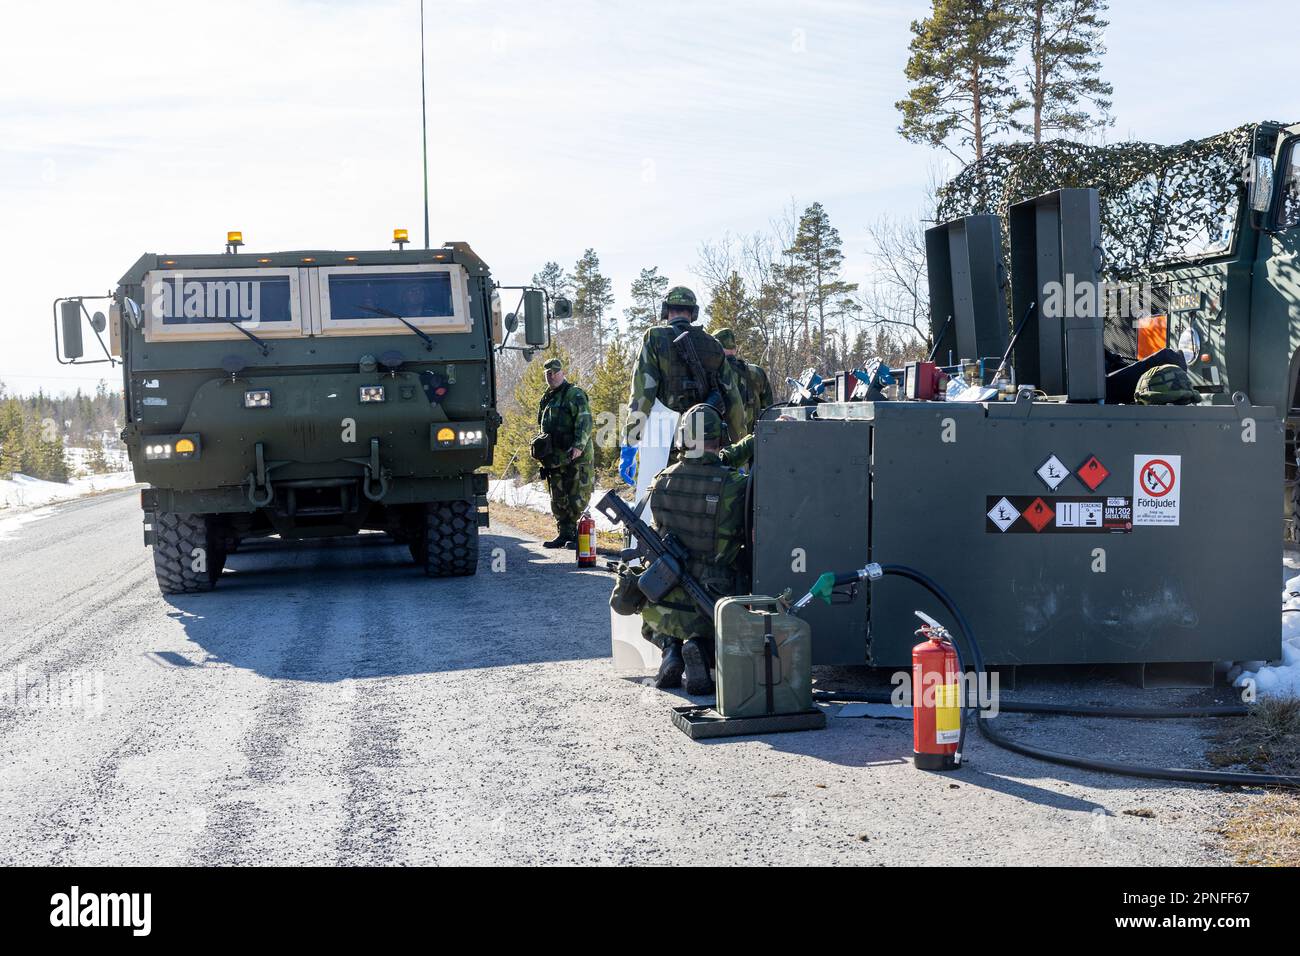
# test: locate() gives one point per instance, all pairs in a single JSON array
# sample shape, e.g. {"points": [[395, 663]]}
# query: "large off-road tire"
{"points": [[450, 546], [179, 542]]}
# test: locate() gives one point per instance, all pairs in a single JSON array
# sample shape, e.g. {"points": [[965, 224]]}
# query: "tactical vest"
{"points": [[680, 390], [560, 424], [687, 502]]}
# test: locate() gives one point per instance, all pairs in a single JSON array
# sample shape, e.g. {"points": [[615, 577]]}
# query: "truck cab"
{"points": [[1232, 302], [308, 394]]}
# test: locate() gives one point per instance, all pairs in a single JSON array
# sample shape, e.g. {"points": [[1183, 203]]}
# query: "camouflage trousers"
{"points": [[570, 488]]}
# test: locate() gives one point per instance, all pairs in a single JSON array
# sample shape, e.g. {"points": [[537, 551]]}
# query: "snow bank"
{"points": [[22, 491], [533, 496], [1283, 678]]}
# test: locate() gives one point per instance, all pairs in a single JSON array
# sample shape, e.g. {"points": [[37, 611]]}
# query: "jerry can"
{"points": [[764, 658]]}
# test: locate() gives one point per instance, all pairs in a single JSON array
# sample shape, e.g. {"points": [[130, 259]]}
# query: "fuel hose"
{"points": [[997, 738]]}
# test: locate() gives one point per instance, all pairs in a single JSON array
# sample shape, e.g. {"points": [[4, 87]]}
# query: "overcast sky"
{"points": [[638, 129]]}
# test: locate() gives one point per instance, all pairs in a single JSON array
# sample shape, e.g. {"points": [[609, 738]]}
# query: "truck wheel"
{"points": [[450, 546], [182, 545]]}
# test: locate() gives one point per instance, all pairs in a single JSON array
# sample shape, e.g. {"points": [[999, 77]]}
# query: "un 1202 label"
{"points": [[1058, 514]]}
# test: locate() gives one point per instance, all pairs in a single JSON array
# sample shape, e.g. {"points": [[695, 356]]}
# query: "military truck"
{"points": [[1212, 228], [307, 394]]}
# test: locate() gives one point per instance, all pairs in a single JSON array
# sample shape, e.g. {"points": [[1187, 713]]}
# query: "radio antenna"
{"points": [[424, 131]]}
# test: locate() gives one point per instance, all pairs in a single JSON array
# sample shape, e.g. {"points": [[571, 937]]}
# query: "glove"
{"points": [[627, 464]]}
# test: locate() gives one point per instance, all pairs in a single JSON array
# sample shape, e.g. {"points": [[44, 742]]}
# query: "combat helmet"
{"points": [[1165, 385], [679, 297], [700, 423]]}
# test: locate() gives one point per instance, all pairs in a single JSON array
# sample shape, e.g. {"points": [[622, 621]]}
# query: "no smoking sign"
{"points": [[1156, 489]]}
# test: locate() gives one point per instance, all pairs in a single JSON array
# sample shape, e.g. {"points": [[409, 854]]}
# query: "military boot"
{"points": [[698, 680], [670, 668], [559, 541]]}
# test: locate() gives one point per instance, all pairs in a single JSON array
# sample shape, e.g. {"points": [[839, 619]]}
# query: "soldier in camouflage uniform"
{"points": [[663, 373], [701, 502], [754, 384], [564, 416]]}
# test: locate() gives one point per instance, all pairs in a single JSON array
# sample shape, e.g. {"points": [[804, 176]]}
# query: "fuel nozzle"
{"points": [[827, 582]]}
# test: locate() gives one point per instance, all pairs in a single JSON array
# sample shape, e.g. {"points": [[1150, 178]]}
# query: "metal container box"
{"points": [[1019, 510]]}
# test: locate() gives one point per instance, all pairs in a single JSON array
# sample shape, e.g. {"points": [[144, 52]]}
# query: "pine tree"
{"points": [[53, 459], [730, 308], [11, 438], [648, 291], [608, 394], [1064, 72], [819, 258], [958, 69], [96, 460], [593, 297]]}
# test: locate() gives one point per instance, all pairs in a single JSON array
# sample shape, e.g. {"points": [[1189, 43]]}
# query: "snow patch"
{"points": [[23, 498], [1283, 678], [534, 497]]}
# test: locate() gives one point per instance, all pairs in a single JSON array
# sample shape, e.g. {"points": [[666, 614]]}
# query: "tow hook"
{"points": [[375, 484], [260, 491]]}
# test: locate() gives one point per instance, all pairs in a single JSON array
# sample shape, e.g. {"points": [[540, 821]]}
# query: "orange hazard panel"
{"points": [[1153, 334]]}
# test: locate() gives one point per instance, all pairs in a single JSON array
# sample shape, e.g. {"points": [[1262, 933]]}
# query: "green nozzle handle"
{"points": [[824, 585]]}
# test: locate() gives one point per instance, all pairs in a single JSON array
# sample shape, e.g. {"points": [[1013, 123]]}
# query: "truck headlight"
{"points": [[257, 398], [459, 435], [372, 393], [169, 447]]}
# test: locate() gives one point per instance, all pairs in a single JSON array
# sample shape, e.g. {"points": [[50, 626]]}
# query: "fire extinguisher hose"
{"points": [[996, 737]]}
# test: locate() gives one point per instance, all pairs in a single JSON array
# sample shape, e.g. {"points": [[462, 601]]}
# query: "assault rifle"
{"points": [[706, 388], [665, 557]]}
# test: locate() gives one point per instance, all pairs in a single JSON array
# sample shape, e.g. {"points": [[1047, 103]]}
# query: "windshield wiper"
{"points": [[266, 349], [428, 341]]}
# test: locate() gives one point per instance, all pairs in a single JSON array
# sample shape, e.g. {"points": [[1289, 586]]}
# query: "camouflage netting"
{"points": [[1156, 201]]}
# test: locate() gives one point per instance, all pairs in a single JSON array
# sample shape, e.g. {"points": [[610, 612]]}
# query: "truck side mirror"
{"points": [[534, 318], [563, 308], [511, 322], [132, 311], [98, 322], [1259, 179], [70, 319]]}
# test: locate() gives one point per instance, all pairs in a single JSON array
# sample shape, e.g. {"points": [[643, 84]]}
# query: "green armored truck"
{"points": [[307, 394]]}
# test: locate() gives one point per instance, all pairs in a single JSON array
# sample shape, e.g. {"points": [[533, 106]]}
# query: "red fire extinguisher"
{"points": [[936, 706], [586, 541]]}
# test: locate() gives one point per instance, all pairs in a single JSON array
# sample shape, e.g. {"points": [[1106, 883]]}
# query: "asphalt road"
{"points": [[328, 704]]}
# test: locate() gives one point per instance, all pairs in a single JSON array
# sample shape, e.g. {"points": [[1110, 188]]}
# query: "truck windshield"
{"points": [[181, 300], [1291, 188], [413, 295]]}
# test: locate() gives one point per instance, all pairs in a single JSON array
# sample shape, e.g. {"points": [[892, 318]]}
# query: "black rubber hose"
{"points": [[1061, 710], [1220, 777]]}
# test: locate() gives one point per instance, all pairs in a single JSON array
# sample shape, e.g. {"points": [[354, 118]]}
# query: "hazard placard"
{"points": [[1052, 472], [1058, 514], [1003, 514], [1039, 514], [1157, 489], [1092, 473]]}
